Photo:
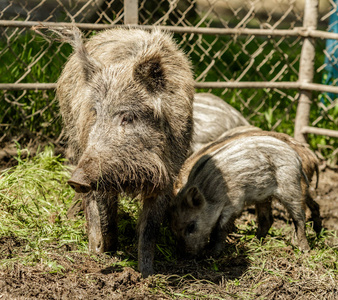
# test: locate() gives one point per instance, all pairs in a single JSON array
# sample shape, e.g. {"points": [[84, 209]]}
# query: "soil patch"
{"points": [[84, 276]]}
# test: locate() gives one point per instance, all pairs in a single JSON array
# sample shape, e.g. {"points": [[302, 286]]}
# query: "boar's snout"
{"points": [[79, 181]]}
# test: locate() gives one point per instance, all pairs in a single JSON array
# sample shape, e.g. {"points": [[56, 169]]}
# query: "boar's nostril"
{"points": [[79, 181], [79, 188]]}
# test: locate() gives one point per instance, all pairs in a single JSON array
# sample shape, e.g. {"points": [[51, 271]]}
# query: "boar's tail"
{"points": [[317, 175], [305, 177]]}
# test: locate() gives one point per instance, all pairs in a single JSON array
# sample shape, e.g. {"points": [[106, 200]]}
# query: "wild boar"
{"points": [[217, 185], [212, 117], [126, 98], [308, 158], [309, 161]]}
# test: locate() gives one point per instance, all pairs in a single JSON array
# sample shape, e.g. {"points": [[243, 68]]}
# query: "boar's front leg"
{"points": [[148, 229], [101, 215]]}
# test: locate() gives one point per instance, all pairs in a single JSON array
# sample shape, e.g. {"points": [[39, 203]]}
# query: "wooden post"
{"points": [[306, 70], [130, 12]]}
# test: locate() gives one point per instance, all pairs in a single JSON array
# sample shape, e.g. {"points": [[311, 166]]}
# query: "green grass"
{"points": [[34, 198], [30, 113], [265, 263]]}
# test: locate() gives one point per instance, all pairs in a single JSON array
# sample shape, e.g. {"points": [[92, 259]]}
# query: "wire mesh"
{"points": [[28, 58]]}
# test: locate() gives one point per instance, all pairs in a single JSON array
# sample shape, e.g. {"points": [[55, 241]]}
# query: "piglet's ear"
{"points": [[150, 73], [194, 198]]}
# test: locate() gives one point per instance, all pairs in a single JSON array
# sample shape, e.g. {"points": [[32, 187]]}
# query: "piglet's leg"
{"points": [[224, 226], [264, 218], [315, 215], [297, 213], [300, 232]]}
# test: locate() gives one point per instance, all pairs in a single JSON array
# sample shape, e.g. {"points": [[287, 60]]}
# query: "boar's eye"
{"points": [[93, 111], [127, 118], [190, 228]]}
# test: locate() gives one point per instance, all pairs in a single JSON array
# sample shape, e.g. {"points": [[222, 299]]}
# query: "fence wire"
{"points": [[28, 58]]}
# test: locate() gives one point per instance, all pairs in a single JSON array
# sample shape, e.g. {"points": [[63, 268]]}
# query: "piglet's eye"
{"points": [[190, 228], [127, 118]]}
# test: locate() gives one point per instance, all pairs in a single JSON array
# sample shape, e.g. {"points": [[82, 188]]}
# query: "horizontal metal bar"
{"points": [[267, 85], [320, 131], [202, 85], [296, 31], [27, 86]]}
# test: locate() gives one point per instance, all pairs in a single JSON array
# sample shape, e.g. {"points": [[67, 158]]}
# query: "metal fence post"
{"points": [[130, 12], [306, 69]]}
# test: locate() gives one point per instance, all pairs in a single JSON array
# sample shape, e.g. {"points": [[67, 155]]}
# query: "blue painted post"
{"points": [[331, 59]]}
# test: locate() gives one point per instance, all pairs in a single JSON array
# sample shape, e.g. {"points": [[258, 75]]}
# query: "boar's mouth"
{"points": [[121, 176]]}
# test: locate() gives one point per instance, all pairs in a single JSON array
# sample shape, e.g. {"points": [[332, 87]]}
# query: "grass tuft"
{"points": [[34, 198]]}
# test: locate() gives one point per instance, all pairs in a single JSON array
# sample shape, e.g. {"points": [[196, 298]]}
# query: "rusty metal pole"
{"points": [[130, 12], [306, 70]]}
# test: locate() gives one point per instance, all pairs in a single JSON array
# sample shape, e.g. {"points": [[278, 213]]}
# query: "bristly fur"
{"points": [[230, 175], [308, 159], [212, 117], [126, 98]]}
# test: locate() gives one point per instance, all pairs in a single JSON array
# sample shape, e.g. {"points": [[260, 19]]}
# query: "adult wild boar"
{"points": [[212, 117], [216, 186], [126, 99]]}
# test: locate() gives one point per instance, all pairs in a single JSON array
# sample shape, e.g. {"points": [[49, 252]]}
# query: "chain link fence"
{"points": [[264, 57]]}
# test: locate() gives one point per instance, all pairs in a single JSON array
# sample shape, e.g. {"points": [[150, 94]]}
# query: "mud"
{"points": [[84, 276]]}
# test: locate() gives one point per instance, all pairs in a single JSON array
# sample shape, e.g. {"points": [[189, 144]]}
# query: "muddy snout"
{"points": [[79, 181]]}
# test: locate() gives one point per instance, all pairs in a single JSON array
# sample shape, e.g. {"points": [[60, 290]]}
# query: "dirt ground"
{"points": [[98, 277]]}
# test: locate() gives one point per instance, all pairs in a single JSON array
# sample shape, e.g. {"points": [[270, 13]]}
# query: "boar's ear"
{"points": [[150, 72], [89, 64], [73, 36], [195, 199]]}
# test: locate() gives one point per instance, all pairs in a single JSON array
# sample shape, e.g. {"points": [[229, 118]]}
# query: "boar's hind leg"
{"points": [[148, 229], [315, 215], [264, 218]]}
